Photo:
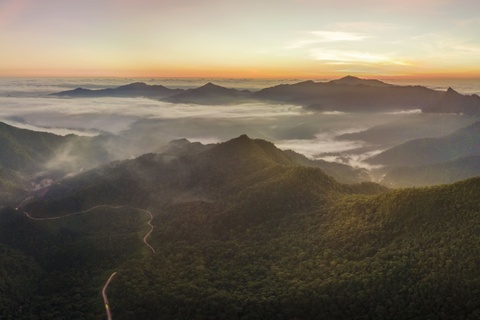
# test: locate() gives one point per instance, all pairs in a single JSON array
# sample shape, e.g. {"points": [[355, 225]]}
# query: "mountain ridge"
{"points": [[453, 102], [348, 94]]}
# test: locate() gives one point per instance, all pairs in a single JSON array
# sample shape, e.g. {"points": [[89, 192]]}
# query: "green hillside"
{"points": [[243, 231], [409, 254], [56, 269]]}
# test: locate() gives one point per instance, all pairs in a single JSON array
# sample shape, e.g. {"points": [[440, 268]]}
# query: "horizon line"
{"points": [[293, 77]]}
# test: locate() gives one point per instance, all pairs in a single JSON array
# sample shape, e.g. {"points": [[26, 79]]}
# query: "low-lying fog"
{"points": [[333, 136]]}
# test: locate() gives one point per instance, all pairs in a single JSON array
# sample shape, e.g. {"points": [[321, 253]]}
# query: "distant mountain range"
{"points": [[137, 89], [348, 94]]}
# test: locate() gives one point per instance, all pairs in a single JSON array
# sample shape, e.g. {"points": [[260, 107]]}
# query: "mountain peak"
{"points": [[354, 81], [212, 88], [307, 82], [210, 85], [350, 78], [137, 84], [450, 91]]}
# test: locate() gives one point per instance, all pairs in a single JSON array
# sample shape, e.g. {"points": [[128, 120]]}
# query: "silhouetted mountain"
{"points": [[137, 89], [350, 94], [209, 94], [461, 143], [354, 81], [453, 102]]}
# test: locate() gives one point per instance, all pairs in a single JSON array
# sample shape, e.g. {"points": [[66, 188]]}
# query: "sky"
{"points": [[240, 39]]}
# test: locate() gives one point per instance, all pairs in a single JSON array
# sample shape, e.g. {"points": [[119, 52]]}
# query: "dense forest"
{"points": [[242, 230]]}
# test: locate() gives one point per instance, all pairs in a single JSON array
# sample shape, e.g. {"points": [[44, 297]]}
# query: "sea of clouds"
{"points": [[27, 103]]}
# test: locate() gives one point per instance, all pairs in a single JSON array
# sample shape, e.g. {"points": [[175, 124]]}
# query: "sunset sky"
{"points": [[248, 38]]}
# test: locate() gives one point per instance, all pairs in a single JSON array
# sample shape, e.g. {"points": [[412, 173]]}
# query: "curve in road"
{"points": [[145, 240], [105, 298]]}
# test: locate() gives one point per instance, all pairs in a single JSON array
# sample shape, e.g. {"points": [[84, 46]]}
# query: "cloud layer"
{"points": [[149, 123]]}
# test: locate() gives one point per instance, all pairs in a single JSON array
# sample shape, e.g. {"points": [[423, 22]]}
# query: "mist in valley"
{"points": [[125, 128]]}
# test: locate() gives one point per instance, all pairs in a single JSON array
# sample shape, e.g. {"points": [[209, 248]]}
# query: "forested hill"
{"points": [[219, 172], [409, 254], [242, 231], [28, 156]]}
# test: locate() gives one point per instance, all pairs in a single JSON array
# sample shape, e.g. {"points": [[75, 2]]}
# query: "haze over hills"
{"points": [[415, 126], [348, 94], [204, 173], [433, 174], [31, 158], [431, 161], [461, 143]]}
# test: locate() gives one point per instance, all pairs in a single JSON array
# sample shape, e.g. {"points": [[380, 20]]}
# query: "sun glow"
{"points": [[287, 38]]}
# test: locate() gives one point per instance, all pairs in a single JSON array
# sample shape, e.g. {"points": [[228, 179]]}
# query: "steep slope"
{"points": [[29, 158], [24, 149], [137, 89], [461, 143]]}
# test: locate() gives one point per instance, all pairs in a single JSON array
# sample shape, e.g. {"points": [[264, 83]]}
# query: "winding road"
{"points": [[105, 298], [145, 239]]}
